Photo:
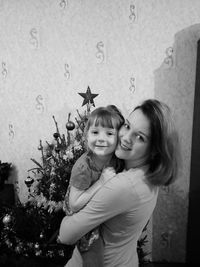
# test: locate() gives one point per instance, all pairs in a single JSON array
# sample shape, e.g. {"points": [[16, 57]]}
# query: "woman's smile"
{"points": [[124, 147]]}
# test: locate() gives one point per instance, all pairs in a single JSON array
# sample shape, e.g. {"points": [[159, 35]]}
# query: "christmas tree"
{"points": [[30, 229]]}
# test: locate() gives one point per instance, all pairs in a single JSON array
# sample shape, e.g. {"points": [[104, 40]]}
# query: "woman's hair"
{"points": [[109, 117], [164, 143]]}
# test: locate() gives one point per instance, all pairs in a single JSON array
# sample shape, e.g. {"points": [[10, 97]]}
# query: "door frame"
{"points": [[193, 227]]}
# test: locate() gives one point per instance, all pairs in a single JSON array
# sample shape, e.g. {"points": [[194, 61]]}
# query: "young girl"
{"points": [[101, 134]]}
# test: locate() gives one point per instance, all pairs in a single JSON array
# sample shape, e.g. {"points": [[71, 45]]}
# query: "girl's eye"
{"points": [[110, 133], [94, 132]]}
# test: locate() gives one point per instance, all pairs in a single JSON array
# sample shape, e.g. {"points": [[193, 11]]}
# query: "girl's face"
{"points": [[134, 140], [101, 141]]}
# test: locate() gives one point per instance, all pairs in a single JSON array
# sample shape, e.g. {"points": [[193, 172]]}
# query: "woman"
{"points": [[124, 204]]}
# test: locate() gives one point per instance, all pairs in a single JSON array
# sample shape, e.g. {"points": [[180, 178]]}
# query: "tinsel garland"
{"points": [[30, 231]]}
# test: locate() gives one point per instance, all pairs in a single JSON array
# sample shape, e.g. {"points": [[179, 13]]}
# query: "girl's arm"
{"points": [[79, 198]]}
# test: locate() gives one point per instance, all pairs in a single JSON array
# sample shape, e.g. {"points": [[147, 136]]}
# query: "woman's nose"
{"points": [[128, 138]]}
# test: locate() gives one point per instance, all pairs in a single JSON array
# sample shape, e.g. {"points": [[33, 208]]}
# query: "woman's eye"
{"points": [[126, 125], [94, 132], [139, 137]]}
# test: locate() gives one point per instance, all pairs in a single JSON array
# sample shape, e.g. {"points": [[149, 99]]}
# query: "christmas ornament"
{"points": [[88, 97], [7, 219], [70, 125], [56, 135], [29, 181], [41, 236], [37, 246], [39, 148]]}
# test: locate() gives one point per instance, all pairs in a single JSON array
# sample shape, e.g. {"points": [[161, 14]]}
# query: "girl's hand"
{"points": [[107, 174]]}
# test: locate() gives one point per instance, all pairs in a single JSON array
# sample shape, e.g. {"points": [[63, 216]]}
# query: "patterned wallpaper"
{"points": [[52, 50]]}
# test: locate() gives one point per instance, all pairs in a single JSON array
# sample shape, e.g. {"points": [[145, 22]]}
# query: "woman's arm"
{"points": [[79, 198], [113, 198]]}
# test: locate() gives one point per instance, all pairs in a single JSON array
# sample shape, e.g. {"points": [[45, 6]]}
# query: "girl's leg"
{"points": [[76, 259], [95, 255]]}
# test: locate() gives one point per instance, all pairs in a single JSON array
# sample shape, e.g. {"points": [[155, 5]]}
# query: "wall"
{"points": [[52, 50], [175, 84]]}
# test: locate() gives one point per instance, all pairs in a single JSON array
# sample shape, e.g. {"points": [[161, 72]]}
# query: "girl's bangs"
{"points": [[104, 121]]}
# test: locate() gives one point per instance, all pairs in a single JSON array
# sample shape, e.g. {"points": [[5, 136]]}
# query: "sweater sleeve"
{"points": [[81, 176], [113, 198]]}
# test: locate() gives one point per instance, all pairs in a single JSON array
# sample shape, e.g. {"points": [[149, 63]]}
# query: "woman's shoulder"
{"points": [[140, 184], [134, 173], [134, 178]]}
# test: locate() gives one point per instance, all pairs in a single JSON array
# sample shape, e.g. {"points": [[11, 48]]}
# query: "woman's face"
{"points": [[134, 140]]}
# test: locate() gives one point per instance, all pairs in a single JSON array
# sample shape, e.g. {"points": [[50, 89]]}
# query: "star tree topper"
{"points": [[88, 97]]}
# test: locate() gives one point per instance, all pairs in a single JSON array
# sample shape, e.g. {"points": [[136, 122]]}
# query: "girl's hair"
{"points": [[164, 143], [109, 117]]}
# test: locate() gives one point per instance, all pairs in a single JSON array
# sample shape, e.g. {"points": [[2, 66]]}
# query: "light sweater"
{"points": [[122, 206]]}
